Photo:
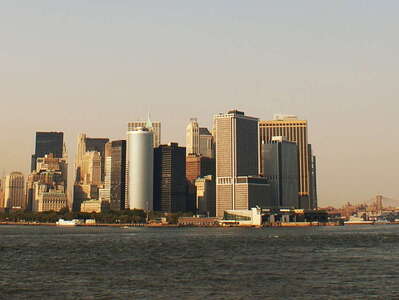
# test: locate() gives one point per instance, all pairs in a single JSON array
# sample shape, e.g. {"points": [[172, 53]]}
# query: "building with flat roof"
{"points": [[280, 165], [170, 184], [153, 126], [293, 130], [14, 191], [238, 185], [48, 143]]}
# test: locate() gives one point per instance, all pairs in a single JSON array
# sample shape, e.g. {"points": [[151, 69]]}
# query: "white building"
{"points": [[140, 169]]}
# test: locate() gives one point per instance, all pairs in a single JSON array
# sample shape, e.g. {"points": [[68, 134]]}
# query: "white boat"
{"points": [[353, 220], [62, 222]]}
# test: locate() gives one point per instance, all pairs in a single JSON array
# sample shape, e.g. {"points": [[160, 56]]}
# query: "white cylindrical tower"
{"points": [[141, 169]]}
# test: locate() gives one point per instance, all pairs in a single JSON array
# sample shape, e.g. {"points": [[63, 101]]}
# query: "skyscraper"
{"points": [[46, 143], [141, 169], [118, 175], [280, 165], [294, 130], [47, 185], [170, 178], [237, 183], [153, 126], [192, 137], [199, 140], [14, 191], [87, 144]]}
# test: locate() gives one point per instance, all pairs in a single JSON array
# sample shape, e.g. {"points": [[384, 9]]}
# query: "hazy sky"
{"points": [[92, 66]]}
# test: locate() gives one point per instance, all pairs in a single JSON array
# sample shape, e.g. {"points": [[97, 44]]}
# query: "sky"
{"points": [[91, 66]]}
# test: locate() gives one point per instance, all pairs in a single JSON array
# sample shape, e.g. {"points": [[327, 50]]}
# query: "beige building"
{"points": [[14, 191], [155, 127], [49, 199], [1, 192], [293, 130], [90, 206], [192, 137], [199, 141], [205, 196], [237, 183], [46, 188]]}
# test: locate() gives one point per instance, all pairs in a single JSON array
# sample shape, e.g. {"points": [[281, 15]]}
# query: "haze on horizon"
{"points": [[92, 66]]}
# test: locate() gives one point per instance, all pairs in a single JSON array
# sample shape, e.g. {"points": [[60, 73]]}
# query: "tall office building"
{"points": [[192, 137], [294, 130], [199, 140], [205, 202], [46, 187], [170, 184], [141, 169], [14, 191], [237, 183], [118, 175], [153, 126], [206, 144], [46, 143], [87, 144], [90, 168], [280, 165], [1, 192]]}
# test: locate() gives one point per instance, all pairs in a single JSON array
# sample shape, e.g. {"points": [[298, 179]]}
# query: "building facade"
{"points": [[48, 143], [205, 196], [280, 167], [294, 130], [153, 126], [14, 191], [141, 169], [237, 182], [118, 175], [170, 185]]}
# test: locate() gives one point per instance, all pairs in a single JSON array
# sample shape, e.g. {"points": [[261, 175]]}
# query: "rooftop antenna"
{"points": [[149, 123]]}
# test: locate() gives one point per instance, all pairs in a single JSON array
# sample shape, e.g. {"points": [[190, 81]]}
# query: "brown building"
{"points": [[294, 130]]}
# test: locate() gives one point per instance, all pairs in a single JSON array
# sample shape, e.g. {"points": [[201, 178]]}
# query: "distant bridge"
{"points": [[380, 202]]}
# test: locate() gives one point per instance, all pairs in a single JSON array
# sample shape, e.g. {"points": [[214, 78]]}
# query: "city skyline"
{"points": [[83, 68]]}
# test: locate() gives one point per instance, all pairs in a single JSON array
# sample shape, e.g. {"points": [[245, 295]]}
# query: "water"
{"points": [[351, 262]]}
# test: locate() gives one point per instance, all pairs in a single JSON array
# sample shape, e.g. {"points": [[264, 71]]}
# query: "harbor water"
{"points": [[351, 262]]}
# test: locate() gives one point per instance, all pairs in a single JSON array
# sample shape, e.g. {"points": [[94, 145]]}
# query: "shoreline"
{"points": [[125, 226]]}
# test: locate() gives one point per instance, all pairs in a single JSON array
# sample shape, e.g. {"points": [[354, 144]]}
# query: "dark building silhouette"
{"points": [[118, 175], [281, 168], [46, 143], [170, 185]]}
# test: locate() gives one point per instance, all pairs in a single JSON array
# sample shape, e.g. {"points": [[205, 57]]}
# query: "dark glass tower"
{"points": [[118, 175], [46, 143], [170, 186]]}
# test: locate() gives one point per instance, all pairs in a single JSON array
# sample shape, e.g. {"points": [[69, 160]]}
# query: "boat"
{"points": [[353, 220], [62, 222]]}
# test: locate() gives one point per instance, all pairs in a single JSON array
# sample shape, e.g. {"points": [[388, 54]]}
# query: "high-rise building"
{"points": [[206, 144], [294, 130], [280, 165], [237, 183], [87, 144], [153, 126], [14, 191], [118, 175], [1, 192], [199, 140], [47, 184], [312, 203], [170, 184], [199, 166], [141, 169], [205, 196], [46, 143], [90, 168]]}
